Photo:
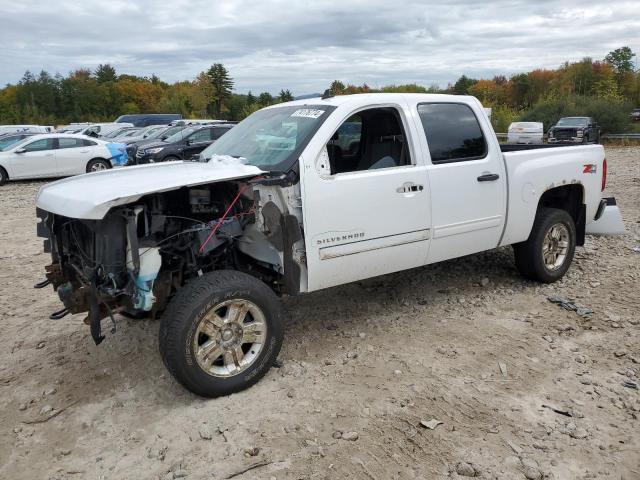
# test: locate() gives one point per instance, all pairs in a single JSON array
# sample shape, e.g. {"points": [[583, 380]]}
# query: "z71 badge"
{"points": [[590, 168]]}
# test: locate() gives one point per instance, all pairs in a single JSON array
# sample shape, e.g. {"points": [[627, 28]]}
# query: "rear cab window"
{"points": [[453, 132]]}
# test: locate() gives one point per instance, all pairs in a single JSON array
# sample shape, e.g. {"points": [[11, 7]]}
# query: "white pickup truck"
{"points": [[303, 196]]}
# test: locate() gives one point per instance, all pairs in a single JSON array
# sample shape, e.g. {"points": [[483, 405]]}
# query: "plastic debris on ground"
{"points": [[569, 304]]}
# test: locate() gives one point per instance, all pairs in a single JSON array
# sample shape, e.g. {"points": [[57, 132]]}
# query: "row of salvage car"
{"points": [[27, 153]]}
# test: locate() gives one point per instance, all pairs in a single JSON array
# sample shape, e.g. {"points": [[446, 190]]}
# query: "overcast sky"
{"points": [[303, 46]]}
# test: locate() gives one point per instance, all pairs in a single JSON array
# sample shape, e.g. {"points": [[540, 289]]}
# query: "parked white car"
{"points": [[525, 132], [93, 129], [208, 246], [59, 155], [25, 129]]}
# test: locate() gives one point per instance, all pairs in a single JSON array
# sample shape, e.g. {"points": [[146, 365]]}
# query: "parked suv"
{"points": [[575, 130], [182, 145]]}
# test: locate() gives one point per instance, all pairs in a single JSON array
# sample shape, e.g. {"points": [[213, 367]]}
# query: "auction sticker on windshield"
{"points": [[307, 113]]}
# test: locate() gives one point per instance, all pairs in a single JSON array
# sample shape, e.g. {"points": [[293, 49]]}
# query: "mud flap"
{"points": [[608, 219]]}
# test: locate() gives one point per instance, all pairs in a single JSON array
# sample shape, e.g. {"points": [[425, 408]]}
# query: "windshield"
{"points": [[166, 132], [270, 138], [115, 133], [179, 135], [8, 142], [572, 122]]}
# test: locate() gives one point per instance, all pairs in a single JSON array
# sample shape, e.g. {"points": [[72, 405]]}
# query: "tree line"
{"points": [[606, 89]]}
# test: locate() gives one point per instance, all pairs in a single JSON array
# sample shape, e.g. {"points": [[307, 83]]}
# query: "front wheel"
{"points": [[221, 333], [3, 176], [547, 254], [97, 165]]}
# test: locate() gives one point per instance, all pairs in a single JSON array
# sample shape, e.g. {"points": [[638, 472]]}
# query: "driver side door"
{"points": [[37, 159], [366, 199]]}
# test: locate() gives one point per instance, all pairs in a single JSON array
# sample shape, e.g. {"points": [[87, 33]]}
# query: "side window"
{"points": [[201, 135], [88, 143], [452, 131], [69, 143], [39, 145], [369, 140], [218, 132]]}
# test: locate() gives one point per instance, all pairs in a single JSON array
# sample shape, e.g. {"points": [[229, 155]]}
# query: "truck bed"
{"points": [[512, 147]]}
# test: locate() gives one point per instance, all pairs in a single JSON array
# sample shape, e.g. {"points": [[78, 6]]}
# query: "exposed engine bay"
{"points": [[135, 258]]}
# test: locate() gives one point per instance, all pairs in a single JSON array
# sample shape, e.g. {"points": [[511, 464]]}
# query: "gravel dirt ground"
{"points": [[523, 388]]}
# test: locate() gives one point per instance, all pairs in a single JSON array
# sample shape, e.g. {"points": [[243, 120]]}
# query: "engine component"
{"points": [[150, 263]]}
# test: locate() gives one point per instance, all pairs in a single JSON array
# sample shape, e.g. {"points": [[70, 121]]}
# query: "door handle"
{"points": [[49, 155], [409, 187], [488, 177]]}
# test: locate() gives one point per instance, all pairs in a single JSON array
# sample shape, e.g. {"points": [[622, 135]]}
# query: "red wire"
{"points": [[215, 229]]}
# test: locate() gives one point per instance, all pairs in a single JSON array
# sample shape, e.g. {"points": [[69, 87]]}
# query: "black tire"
{"points": [[98, 164], [179, 326], [3, 176], [529, 255], [171, 158]]}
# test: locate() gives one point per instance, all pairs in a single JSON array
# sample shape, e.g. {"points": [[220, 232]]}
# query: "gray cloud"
{"points": [[273, 44]]}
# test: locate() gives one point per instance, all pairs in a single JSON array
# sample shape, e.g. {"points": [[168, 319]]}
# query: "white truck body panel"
{"points": [[532, 172], [92, 195], [610, 223]]}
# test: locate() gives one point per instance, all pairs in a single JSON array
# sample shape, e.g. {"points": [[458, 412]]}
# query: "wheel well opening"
{"points": [[568, 198], [100, 159]]}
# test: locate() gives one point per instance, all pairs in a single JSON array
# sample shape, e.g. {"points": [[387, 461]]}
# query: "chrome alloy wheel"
{"points": [[98, 166], [229, 337], [555, 246]]}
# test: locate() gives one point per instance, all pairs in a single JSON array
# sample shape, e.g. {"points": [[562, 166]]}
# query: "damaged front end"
{"points": [[133, 259]]}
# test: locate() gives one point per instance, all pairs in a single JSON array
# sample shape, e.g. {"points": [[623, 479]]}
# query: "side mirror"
{"points": [[189, 142], [21, 150]]}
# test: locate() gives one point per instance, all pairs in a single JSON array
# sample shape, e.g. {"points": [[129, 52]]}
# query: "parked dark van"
{"points": [[146, 119]]}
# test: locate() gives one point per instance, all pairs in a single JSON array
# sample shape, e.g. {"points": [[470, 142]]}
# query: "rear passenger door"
{"points": [[72, 155], [37, 159], [466, 177]]}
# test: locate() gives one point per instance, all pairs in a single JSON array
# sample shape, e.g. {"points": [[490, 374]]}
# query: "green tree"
{"points": [[265, 99], [285, 96], [105, 73], [464, 83], [251, 99], [222, 85], [621, 59]]}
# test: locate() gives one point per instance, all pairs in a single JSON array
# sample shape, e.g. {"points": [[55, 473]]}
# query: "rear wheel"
{"points": [[97, 165], [3, 176], [221, 333], [548, 252]]}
